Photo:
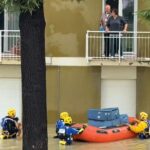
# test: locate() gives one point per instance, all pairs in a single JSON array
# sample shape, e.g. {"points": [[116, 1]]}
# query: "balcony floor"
{"points": [[79, 61], [114, 62]]}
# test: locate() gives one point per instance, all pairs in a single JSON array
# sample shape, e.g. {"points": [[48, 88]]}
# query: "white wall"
{"points": [[118, 89], [10, 90]]}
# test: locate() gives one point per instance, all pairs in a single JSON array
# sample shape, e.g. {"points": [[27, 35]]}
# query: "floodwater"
{"points": [[130, 144]]}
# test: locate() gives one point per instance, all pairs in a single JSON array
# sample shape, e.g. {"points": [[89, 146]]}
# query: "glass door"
{"points": [[128, 13]]}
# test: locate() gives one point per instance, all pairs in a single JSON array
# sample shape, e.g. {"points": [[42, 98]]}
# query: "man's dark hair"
{"points": [[115, 11]]}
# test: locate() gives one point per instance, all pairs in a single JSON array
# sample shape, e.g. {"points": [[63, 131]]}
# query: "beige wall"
{"points": [[72, 89], [52, 83], [66, 24], [143, 89]]}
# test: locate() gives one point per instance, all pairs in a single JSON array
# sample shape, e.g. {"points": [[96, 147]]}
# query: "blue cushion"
{"points": [[100, 123], [116, 122], [105, 114], [124, 119]]}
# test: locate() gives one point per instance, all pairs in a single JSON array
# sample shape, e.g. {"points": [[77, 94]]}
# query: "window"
{"points": [[11, 20], [10, 40]]}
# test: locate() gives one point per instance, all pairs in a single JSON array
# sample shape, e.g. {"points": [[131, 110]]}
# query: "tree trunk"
{"points": [[32, 30]]}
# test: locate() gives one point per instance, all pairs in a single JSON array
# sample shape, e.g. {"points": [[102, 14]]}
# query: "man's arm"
{"points": [[125, 27]]}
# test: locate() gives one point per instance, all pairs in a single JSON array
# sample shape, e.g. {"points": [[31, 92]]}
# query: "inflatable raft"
{"points": [[95, 134]]}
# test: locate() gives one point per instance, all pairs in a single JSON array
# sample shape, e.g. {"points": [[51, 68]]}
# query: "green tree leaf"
{"points": [[145, 14]]}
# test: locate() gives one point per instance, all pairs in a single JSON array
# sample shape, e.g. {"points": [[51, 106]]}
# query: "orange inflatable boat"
{"points": [[95, 134]]}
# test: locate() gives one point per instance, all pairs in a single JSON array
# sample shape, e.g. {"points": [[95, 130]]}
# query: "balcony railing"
{"points": [[119, 46], [10, 47], [101, 46]]}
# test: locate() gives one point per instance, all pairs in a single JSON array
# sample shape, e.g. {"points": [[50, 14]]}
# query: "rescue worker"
{"points": [[60, 122], [142, 126], [10, 126], [66, 132]]}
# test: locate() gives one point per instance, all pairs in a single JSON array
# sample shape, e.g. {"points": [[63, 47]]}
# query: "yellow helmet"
{"points": [[63, 115], [143, 116], [68, 120], [11, 112]]}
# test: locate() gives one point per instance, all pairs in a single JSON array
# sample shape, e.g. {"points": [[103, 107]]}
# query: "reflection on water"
{"points": [[131, 144]]}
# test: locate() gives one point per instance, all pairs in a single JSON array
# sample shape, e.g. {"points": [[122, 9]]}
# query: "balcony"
{"points": [[125, 49], [118, 48], [10, 46]]}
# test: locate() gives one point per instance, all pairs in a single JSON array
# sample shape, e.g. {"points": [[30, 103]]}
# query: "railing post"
{"points": [[1, 45], [87, 47], [119, 51], [135, 44]]}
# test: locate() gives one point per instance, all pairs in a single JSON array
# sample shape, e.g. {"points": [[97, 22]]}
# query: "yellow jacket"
{"points": [[140, 127]]}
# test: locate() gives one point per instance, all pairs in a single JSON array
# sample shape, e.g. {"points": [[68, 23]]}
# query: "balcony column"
{"points": [[118, 89]]}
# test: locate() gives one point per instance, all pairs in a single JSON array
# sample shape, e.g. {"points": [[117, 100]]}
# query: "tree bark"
{"points": [[33, 69]]}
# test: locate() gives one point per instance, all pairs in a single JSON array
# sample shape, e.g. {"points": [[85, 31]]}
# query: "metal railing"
{"points": [[121, 46], [10, 47]]}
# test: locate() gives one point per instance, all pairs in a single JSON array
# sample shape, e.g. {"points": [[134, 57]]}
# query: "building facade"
{"points": [[73, 83], [76, 87]]}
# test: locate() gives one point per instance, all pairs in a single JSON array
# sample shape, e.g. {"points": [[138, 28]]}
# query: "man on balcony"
{"points": [[103, 22], [115, 23]]}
